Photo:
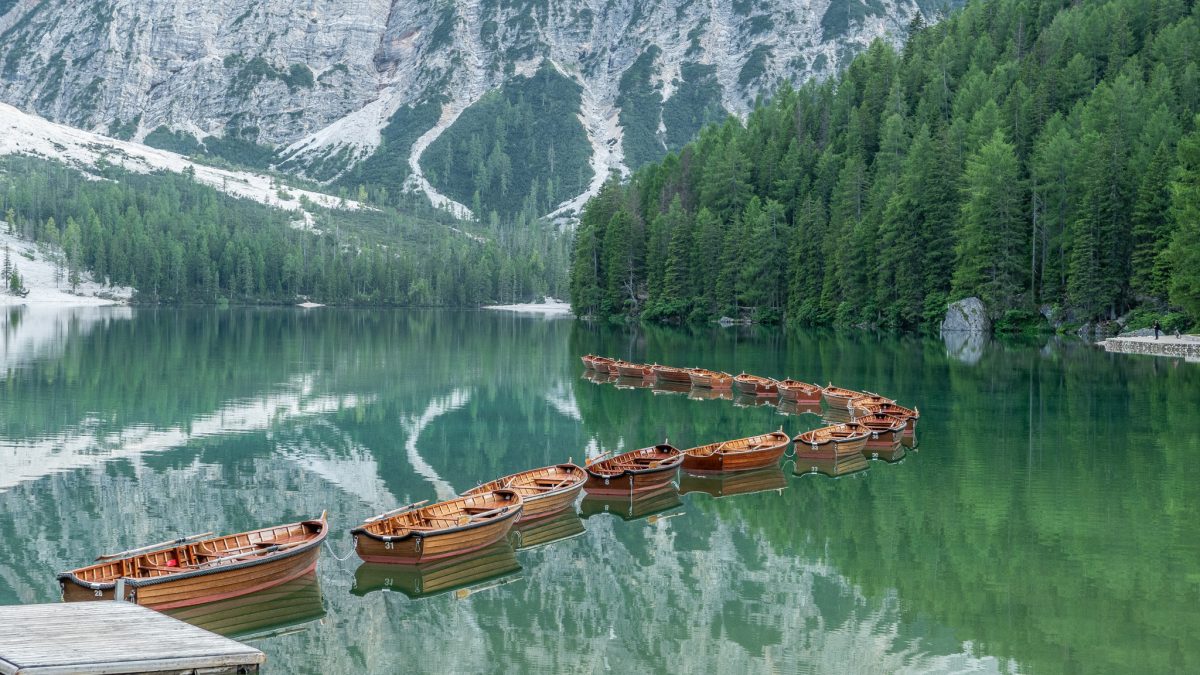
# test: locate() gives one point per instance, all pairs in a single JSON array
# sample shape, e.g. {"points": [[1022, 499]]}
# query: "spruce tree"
{"points": [[989, 249]]}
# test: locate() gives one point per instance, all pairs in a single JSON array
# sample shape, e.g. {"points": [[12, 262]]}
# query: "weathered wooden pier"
{"points": [[88, 638]]}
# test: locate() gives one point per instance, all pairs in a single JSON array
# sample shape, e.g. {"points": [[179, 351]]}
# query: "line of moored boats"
{"points": [[203, 568]]}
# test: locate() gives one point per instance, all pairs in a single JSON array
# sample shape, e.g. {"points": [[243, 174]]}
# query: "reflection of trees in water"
{"points": [[1047, 497]]}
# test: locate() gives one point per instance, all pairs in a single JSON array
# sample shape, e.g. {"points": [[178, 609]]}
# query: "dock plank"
{"points": [[97, 638]]}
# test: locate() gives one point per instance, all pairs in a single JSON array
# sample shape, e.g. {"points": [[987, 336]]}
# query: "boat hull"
{"points": [[756, 388], [831, 449], [417, 547], [720, 462], [800, 395], [425, 580], [633, 371], [840, 398], [285, 606], [710, 380], [672, 376], [195, 589], [535, 503], [627, 483]]}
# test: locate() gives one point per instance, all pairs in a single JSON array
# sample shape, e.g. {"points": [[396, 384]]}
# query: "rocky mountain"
{"points": [[485, 105]]}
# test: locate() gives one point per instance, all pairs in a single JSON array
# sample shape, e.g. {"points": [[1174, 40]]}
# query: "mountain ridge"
{"points": [[319, 87]]}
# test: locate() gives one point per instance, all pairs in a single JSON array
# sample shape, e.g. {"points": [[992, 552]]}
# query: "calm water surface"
{"points": [[1046, 523]]}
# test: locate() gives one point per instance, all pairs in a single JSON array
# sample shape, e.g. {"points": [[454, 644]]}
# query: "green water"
{"points": [[1046, 523]]}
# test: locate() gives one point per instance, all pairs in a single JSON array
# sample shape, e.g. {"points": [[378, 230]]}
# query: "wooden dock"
{"points": [[113, 637]]}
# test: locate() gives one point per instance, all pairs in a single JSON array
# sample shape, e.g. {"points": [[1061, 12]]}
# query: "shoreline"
{"points": [[1186, 347]]}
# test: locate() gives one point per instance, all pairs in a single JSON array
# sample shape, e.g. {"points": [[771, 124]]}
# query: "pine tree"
{"points": [[989, 250], [1185, 241], [1152, 227]]}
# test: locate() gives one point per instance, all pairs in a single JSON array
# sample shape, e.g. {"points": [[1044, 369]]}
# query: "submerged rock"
{"points": [[968, 314]]}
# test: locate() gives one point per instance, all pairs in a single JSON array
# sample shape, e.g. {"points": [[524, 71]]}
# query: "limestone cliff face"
{"points": [[319, 78]]}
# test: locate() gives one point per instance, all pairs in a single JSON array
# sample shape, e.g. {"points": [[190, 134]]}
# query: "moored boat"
{"points": [[859, 405], [635, 471], [633, 370], [543, 491], [831, 442], [710, 379], [909, 415], [743, 454], [667, 374], [799, 392], [589, 361], [837, 397], [886, 432], [194, 570], [603, 364], [418, 533], [755, 385]]}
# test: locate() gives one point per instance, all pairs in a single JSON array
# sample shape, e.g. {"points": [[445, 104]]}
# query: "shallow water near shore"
{"points": [[1046, 521]]}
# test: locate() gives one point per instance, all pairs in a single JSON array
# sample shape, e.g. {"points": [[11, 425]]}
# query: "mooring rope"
{"points": [[335, 555]]}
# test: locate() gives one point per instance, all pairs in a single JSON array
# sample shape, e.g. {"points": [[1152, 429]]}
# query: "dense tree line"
{"points": [[1034, 153], [175, 240]]}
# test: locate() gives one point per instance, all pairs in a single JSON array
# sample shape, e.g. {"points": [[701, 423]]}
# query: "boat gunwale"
{"points": [[663, 466], [484, 488], [135, 582], [754, 449], [507, 513]]}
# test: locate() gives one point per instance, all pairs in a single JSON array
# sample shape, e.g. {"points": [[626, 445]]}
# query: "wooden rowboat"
{"points": [[836, 397], [886, 432], [832, 442], [639, 371], [710, 379], [418, 533], [909, 415], [754, 385], [859, 405], [800, 392], [589, 361], [743, 454], [199, 569], [603, 364], [667, 374], [544, 492], [632, 472]]}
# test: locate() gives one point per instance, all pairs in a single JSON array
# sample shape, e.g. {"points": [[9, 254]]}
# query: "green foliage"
{"points": [[388, 166], [254, 71], [755, 65], [177, 241], [640, 104], [124, 130], [517, 150], [695, 104], [174, 141], [1016, 151]]}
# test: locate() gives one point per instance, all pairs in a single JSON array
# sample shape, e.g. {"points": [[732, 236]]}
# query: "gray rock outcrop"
{"points": [[967, 315]]}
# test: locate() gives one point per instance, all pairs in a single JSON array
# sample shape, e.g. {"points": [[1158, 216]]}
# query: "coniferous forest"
{"points": [[175, 240], [1042, 155]]}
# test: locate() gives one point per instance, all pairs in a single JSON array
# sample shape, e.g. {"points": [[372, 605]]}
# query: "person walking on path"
{"points": [[1157, 328]]}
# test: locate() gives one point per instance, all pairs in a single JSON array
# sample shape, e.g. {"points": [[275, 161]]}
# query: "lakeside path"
{"points": [[1187, 346]]}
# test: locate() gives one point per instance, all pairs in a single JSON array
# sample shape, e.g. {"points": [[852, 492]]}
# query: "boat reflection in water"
{"points": [[747, 401], [440, 576], [671, 387], [625, 507], [793, 408], [892, 454], [706, 394], [282, 609], [832, 467], [837, 415], [560, 527], [727, 485], [597, 377], [632, 383]]}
